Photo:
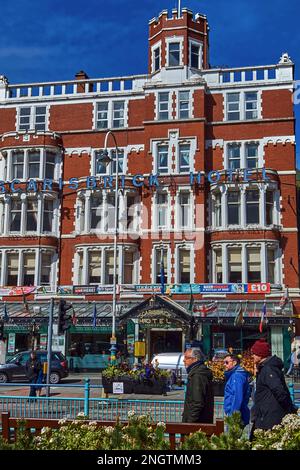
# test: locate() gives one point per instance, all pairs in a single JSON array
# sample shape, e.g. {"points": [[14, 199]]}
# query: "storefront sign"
{"points": [[258, 288], [79, 290], [65, 290], [43, 341], [11, 343], [138, 181], [7, 291]]}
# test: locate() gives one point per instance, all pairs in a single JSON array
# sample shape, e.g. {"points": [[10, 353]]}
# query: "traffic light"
{"points": [[63, 317], [1, 330]]}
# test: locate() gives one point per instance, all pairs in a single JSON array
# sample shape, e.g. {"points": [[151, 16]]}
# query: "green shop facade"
{"points": [[158, 323]]}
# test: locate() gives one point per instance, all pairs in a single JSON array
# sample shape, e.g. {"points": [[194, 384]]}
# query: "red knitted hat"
{"points": [[261, 348]]}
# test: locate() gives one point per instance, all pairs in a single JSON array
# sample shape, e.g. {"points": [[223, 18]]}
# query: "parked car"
{"points": [[171, 361], [14, 369]]}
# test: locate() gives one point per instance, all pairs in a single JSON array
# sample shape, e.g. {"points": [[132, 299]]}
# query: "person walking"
{"points": [[199, 397], [237, 388], [272, 400], [294, 361], [33, 368]]}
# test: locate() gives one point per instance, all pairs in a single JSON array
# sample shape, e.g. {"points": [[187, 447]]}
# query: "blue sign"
{"points": [[138, 180]]}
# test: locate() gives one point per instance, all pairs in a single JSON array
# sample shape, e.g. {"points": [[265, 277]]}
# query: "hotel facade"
{"points": [[207, 181]]}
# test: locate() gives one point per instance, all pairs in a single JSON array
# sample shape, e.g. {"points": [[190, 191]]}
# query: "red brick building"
{"points": [[207, 177]]}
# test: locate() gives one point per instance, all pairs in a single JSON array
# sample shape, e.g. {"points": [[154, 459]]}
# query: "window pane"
{"points": [[28, 269], [40, 118], [174, 54], [233, 207], [18, 165], [24, 123], [233, 106], [50, 165], [15, 220], [234, 158], [101, 168], [162, 159], [269, 207], [184, 158], [195, 56], [102, 115], [217, 209], [156, 59], [118, 114], [271, 265], [46, 269], [251, 106], [235, 265], [252, 206], [163, 106], [184, 104], [252, 155], [157, 279], [34, 164], [48, 215], [12, 269], [94, 267], [219, 270], [184, 203], [96, 211], [128, 267], [254, 274], [31, 215], [109, 267], [184, 266]]}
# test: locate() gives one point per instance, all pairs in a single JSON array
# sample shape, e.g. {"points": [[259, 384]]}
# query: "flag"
{"points": [[94, 315], [162, 272], [191, 304], [263, 317], [74, 318], [239, 320], [284, 299], [5, 313], [25, 303], [208, 308]]}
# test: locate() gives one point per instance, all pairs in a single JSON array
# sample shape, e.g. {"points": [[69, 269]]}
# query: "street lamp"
{"points": [[106, 159]]}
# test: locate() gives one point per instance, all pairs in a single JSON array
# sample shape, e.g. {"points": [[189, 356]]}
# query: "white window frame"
{"points": [[244, 246], [156, 211], [159, 102], [167, 269], [110, 113], [178, 220], [180, 101], [193, 42], [42, 166], [102, 249], [32, 117], [38, 257], [154, 48], [173, 40], [108, 168], [190, 248], [243, 157], [242, 105]]}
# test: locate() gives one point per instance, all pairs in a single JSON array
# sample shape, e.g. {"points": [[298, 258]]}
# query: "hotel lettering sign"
{"points": [[138, 181], [155, 318]]}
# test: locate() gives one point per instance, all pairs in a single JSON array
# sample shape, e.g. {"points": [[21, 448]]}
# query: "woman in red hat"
{"points": [[272, 400]]}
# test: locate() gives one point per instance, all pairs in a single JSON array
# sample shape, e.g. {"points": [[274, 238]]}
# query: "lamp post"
{"points": [[106, 159]]}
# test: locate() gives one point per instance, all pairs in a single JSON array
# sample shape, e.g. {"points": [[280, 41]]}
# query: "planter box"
{"points": [[146, 386], [219, 388]]}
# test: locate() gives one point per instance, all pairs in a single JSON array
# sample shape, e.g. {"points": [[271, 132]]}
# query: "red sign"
{"points": [[259, 288]]}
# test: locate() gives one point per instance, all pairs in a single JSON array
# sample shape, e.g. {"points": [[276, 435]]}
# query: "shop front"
{"points": [[162, 324]]}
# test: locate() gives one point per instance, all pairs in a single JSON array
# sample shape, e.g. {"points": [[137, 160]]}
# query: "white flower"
{"points": [[45, 430], [81, 414], [109, 430], [131, 414], [92, 423], [62, 421], [161, 424]]}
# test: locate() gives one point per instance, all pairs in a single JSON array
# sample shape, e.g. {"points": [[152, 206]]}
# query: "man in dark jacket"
{"points": [[199, 397], [33, 367], [272, 400]]}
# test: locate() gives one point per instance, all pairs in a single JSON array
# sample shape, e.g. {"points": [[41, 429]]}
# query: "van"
{"points": [[171, 361]]}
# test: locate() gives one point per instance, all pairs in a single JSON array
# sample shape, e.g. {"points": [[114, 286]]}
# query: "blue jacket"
{"points": [[237, 393]]}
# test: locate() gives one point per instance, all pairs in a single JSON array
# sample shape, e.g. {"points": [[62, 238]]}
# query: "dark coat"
{"points": [[33, 368], [272, 400], [199, 397]]}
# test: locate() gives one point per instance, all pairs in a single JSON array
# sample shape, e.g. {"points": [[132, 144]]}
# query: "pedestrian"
{"points": [[40, 380], [199, 397], [272, 400], [237, 388], [294, 361], [33, 368]]}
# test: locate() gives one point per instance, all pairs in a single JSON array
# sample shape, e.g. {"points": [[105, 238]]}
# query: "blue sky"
{"points": [[53, 39]]}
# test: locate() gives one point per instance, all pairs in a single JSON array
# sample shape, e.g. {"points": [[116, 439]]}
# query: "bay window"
{"points": [[254, 264], [12, 269], [252, 206], [218, 265], [28, 269], [271, 255], [160, 254], [94, 275], [31, 215], [233, 208], [46, 266], [23, 267], [269, 207], [184, 274]]}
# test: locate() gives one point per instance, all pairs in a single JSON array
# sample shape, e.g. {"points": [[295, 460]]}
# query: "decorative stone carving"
{"points": [[285, 59]]}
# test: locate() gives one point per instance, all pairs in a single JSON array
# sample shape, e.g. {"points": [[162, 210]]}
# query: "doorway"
{"points": [[164, 341]]}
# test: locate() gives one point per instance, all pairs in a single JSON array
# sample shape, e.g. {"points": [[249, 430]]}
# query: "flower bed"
{"points": [[145, 380]]}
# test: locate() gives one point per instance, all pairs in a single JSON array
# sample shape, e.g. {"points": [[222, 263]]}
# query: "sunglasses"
{"points": [[227, 362]]}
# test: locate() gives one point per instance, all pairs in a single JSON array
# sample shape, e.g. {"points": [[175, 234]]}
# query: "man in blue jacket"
{"points": [[237, 389]]}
